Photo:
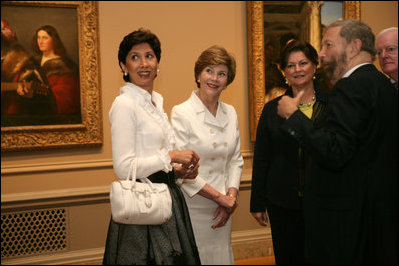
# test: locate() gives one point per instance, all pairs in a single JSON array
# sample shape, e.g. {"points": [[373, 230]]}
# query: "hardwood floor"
{"points": [[269, 260]]}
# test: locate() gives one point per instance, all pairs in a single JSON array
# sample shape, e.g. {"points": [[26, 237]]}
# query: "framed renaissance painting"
{"points": [[50, 78]]}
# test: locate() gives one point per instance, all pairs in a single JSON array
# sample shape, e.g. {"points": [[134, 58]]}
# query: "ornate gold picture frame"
{"points": [[256, 55], [87, 131]]}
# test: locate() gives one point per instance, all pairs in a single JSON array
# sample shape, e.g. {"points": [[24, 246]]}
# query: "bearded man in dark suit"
{"points": [[351, 194]]}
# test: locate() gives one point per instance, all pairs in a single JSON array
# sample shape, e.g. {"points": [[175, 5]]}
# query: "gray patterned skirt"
{"points": [[171, 243]]}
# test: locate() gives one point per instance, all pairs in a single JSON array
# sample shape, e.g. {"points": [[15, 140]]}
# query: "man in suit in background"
{"points": [[351, 194], [387, 50]]}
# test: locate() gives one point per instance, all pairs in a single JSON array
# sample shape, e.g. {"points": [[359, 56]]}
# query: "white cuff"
{"points": [[193, 187], [190, 181], [165, 158]]}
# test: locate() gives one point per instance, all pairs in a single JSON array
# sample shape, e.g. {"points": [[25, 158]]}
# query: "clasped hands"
{"points": [[189, 163], [227, 205]]}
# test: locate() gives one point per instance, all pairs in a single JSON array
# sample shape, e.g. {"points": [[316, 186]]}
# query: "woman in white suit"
{"points": [[210, 127]]}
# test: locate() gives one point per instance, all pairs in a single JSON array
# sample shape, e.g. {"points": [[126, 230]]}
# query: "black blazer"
{"points": [[276, 168], [351, 195]]}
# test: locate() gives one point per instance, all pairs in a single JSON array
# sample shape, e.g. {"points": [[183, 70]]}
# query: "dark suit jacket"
{"points": [[351, 195], [276, 168]]}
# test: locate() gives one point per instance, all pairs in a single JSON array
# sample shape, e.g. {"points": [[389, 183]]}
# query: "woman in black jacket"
{"points": [[279, 165]]}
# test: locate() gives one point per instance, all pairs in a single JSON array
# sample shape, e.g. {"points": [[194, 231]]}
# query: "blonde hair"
{"points": [[215, 55]]}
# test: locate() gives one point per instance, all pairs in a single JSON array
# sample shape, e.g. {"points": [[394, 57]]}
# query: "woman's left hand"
{"points": [[222, 217]]}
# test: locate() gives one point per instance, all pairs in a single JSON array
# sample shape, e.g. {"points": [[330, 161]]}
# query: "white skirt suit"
{"points": [[217, 141]]}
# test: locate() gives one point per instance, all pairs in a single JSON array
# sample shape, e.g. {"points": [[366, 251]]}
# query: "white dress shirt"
{"points": [[141, 133]]}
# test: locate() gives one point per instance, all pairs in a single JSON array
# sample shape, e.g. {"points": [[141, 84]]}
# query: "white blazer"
{"points": [[215, 139]]}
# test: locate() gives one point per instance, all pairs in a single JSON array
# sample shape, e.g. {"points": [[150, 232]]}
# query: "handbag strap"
{"points": [[131, 175], [148, 181]]}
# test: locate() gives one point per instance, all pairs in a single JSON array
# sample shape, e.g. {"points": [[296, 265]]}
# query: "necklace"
{"points": [[309, 103]]}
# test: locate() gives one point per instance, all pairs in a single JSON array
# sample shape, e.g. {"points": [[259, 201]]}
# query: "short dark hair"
{"points": [[215, 55], [137, 37], [298, 46]]}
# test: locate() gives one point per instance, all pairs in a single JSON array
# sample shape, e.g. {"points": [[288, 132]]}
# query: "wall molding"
{"points": [[72, 165], [71, 195], [49, 167], [78, 194]]}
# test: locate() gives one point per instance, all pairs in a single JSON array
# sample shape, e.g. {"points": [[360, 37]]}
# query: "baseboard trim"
{"points": [[89, 256], [95, 256], [239, 237]]}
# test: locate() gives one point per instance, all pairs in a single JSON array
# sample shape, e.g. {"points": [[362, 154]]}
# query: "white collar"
{"points": [[221, 118], [348, 73], [142, 94]]}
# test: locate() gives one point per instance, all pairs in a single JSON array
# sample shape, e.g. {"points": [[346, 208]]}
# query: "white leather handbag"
{"points": [[144, 203]]}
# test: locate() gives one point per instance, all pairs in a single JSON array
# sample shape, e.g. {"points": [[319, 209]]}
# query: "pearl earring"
{"points": [[125, 74], [158, 70]]}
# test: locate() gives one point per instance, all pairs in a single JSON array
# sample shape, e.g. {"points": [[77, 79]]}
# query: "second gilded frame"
{"points": [[256, 54]]}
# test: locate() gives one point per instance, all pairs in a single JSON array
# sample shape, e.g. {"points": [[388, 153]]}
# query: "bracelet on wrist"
{"points": [[231, 195]]}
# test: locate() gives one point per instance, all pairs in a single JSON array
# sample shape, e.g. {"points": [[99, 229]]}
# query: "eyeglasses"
{"points": [[390, 50]]}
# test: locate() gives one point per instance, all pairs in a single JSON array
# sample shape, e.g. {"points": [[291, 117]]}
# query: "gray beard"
{"points": [[336, 68]]}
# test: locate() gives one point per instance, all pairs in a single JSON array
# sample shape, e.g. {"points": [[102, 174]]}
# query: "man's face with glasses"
{"points": [[387, 51]]}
